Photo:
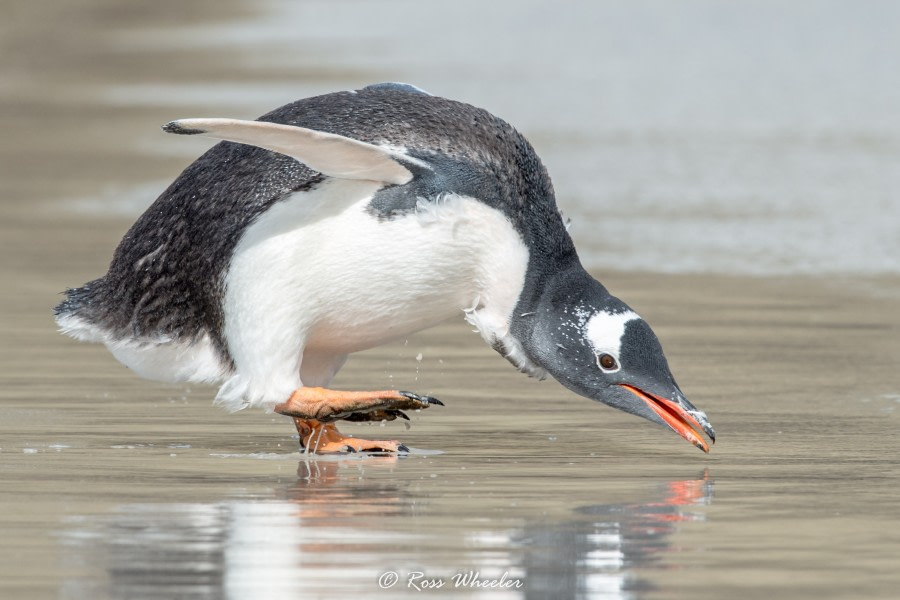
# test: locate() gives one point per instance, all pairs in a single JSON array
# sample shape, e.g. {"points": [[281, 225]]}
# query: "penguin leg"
{"points": [[314, 409]]}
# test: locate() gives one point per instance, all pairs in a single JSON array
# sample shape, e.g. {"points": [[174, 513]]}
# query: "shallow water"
{"points": [[111, 486], [116, 487]]}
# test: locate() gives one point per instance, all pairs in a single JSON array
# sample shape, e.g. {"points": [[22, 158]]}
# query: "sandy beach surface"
{"points": [[113, 485], [116, 487]]}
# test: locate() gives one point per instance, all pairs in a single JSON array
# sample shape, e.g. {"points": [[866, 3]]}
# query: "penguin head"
{"points": [[597, 346]]}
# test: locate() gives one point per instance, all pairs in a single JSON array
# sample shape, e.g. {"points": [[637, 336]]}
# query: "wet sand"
{"points": [[114, 487], [117, 487]]}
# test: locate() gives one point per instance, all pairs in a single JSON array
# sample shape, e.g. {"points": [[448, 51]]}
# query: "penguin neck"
{"points": [[564, 280], [538, 256], [546, 293], [508, 327]]}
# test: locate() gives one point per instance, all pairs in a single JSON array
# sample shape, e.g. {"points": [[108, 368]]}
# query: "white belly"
{"points": [[319, 275]]}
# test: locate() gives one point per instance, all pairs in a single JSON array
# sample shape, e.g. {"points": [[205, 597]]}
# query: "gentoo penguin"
{"points": [[337, 223]]}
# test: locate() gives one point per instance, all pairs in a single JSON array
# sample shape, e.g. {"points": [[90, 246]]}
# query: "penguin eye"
{"points": [[607, 362]]}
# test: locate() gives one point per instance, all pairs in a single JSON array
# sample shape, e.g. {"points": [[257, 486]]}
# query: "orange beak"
{"points": [[675, 416]]}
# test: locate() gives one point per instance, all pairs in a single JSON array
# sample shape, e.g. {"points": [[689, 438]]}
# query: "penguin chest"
{"points": [[323, 268]]}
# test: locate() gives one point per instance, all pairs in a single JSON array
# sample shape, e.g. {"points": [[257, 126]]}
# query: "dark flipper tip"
{"points": [[176, 127], [403, 448]]}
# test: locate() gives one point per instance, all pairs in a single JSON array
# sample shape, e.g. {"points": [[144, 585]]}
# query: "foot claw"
{"points": [[426, 400]]}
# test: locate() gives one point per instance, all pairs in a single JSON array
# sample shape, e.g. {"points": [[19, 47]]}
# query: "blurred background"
{"points": [[731, 171], [696, 136]]}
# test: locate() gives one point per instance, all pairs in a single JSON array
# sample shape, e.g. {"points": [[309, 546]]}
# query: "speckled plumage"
{"points": [[258, 272], [167, 275]]}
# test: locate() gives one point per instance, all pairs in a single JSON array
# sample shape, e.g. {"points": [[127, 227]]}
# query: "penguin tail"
{"points": [[74, 315]]}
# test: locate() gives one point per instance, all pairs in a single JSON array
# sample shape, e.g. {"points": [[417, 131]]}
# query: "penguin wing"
{"points": [[328, 153]]}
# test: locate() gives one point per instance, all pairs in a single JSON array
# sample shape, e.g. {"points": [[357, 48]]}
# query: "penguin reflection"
{"points": [[337, 529]]}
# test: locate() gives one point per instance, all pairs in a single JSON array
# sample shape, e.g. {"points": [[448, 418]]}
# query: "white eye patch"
{"points": [[604, 332]]}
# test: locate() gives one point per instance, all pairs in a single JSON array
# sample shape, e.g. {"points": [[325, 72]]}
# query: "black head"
{"points": [[596, 346]]}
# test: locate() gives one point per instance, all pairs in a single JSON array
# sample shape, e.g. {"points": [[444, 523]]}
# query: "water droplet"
{"points": [[419, 357]]}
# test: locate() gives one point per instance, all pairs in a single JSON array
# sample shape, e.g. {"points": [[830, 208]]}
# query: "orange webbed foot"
{"points": [[324, 438], [314, 411], [326, 405]]}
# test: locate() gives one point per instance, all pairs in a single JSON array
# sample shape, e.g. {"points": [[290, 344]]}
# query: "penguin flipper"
{"points": [[330, 154]]}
